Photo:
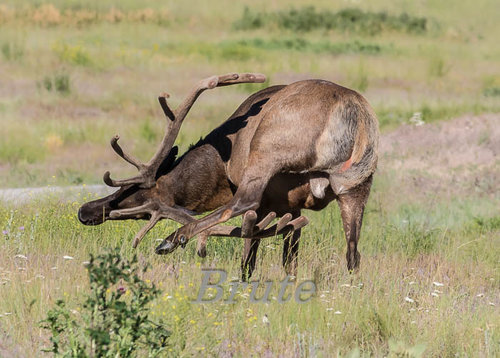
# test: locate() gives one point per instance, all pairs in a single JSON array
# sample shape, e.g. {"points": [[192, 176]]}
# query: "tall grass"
{"points": [[422, 284]]}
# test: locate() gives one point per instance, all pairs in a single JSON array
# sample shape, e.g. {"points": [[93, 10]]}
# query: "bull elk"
{"points": [[286, 148]]}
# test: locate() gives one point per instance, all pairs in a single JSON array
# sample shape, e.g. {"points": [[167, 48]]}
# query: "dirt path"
{"points": [[21, 196]]}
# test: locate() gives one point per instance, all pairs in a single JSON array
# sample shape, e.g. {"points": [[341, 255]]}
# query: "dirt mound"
{"points": [[451, 157]]}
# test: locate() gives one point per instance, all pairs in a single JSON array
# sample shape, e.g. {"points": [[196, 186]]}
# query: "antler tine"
{"points": [[283, 226], [128, 158], [177, 116], [117, 183], [157, 211], [243, 78], [155, 217], [283, 221], [247, 226], [266, 221], [147, 176]]}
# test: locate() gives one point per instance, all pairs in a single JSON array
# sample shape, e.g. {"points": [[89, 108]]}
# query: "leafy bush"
{"points": [[76, 55], [115, 318], [491, 92], [59, 82], [438, 67], [347, 20], [12, 51]]}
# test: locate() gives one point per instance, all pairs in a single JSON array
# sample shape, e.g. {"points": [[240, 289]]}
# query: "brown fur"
{"points": [[283, 150]]}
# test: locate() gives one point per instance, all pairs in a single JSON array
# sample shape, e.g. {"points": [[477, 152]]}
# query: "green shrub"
{"points": [[58, 82], [62, 83], [438, 67], [12, 51], [114, 320], [491, 92], [76, 54], [349, 20]]}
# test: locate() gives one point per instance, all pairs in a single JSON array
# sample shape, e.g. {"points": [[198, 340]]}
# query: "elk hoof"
{"points": [[353, 261], [202, 252], [166, 247]]}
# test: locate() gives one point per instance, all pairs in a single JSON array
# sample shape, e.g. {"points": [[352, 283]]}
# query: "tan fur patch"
{"points": [[359, 144], [347, 164]]}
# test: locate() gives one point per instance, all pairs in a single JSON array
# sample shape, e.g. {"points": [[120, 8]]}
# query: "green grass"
{"points": [[404, 250]]}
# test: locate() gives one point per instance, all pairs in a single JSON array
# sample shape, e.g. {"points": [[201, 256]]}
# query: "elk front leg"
{"points": [[290, 252], [249, 257], [352, 205], [247, 197]]}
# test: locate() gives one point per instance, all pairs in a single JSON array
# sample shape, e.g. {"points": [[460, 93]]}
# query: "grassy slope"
{"points": [[115, 72]]}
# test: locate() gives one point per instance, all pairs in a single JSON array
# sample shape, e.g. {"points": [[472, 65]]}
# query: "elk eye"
{"points": [[113, 204]]}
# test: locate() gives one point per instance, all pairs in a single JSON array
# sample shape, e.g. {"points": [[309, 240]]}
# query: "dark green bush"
{"points": [[58, 82], [114, 320], [12, 51], [349, 20], [491, 92]]}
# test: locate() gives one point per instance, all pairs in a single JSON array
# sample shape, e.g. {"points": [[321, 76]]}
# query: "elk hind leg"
{"points": [[352, 205]]}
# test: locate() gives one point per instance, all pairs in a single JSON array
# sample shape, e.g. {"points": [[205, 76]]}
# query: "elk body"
{"points": [[286, 148]]}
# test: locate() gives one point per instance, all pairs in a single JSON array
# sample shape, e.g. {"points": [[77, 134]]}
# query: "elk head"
{"points": [[138, 197]]}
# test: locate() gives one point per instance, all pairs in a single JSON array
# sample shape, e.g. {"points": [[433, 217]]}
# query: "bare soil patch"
{"points": [[456, 157], [452, 158]]}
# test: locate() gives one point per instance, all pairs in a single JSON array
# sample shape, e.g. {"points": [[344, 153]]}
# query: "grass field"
{"points": [[74, 73]]}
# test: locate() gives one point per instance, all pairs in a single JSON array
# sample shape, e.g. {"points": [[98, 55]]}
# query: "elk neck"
{"points": [[197, 182]]}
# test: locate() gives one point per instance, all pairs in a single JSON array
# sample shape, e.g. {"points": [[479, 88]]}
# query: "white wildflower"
{"points": [[416, 119], [265, 319]]}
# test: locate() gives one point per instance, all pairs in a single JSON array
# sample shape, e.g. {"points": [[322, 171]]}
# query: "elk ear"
{"points": [[168, 162]]}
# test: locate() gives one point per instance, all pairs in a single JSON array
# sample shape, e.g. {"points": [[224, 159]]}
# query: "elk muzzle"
{"points": [[90, 214]]}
